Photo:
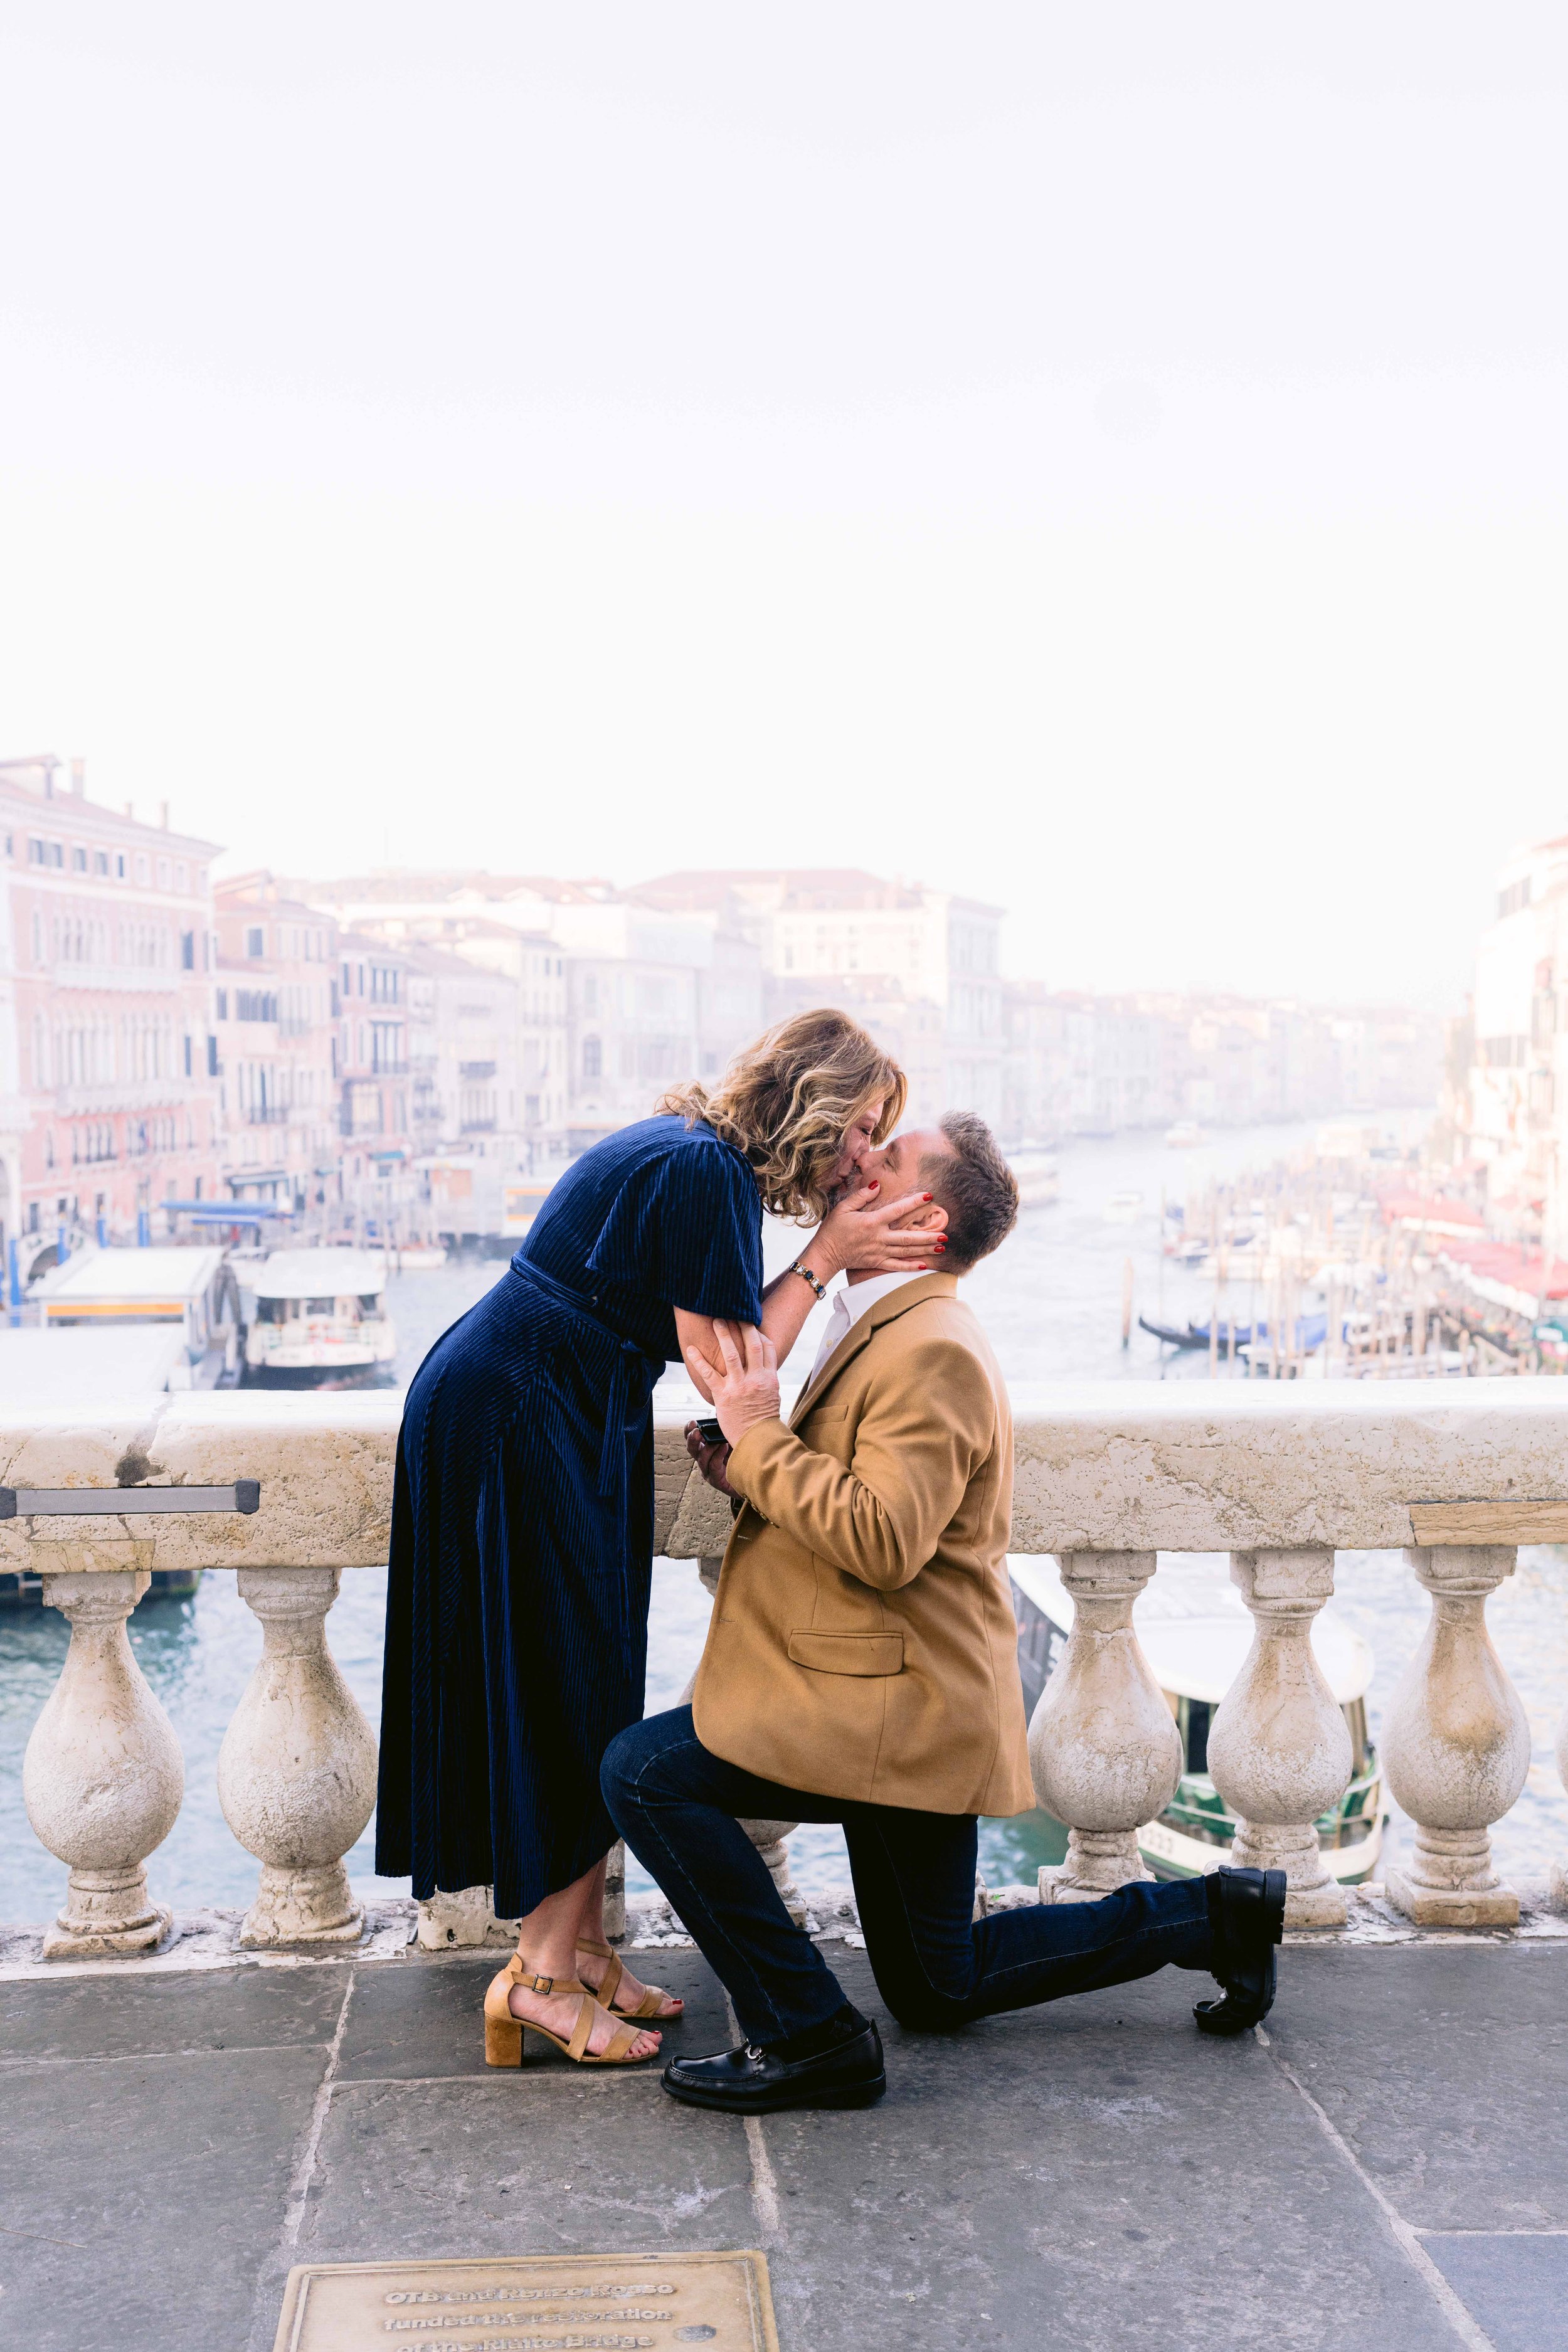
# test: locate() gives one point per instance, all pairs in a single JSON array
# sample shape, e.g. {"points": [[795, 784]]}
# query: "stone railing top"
{"points": [[323, 1461], [1191, 1465]]}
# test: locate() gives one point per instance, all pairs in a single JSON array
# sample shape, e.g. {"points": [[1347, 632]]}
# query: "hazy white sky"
{"points": [[1108, 460]]}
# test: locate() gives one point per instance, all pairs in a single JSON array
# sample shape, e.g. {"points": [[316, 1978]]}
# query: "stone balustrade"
{"points": [[1109, 1477]]}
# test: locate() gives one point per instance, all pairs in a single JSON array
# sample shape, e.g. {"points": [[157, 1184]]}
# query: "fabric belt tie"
{"points": [[631, 1367]]}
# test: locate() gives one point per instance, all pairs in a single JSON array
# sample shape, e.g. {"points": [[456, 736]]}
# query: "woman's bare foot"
{"points": [[593, 1969], [559, 2012]]}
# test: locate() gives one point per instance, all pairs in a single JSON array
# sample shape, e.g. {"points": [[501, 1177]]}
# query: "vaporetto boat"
{"points": [[1195, 1631], [320, 1314]]}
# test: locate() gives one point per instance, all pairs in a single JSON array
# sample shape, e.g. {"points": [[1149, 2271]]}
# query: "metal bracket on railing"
{"points": [[125, 1502]]}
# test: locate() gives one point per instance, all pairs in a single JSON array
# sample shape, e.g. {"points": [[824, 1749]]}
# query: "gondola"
{"points": [[1171, 1339]]}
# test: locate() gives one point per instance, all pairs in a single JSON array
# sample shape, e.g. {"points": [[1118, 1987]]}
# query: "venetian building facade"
{"points": [[108, 1101], [275, 1023], [376, 1088], [499, 924], [1510, 1101], [462, 1054]]}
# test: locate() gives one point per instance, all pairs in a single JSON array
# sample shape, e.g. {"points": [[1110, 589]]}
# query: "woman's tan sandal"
{"points": [[654, 1997], [504, 2032]]}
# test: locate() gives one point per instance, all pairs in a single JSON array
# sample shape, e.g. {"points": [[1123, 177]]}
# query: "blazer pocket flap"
{"points": [[849, 1653]]}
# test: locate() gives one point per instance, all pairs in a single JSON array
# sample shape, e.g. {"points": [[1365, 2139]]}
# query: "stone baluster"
{"points": [[615, 1894], [1456, 1747], [1104, 1750], [296, 1773], [1279, 1747], [466, 1916], [103, 1776]]}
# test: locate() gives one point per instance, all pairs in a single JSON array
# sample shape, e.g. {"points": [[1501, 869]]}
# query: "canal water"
{"points": [[1051, 1300]]}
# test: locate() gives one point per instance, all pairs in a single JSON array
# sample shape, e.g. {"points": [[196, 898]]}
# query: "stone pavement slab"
{"points": [[140, 2198], [1516, 2287], [1446, 2071], [120, 2011], [1386, 2165], [1098, 2162], [519, 2166]]}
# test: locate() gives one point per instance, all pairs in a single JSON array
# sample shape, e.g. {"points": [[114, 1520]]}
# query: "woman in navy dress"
{"points": [[522, 1515]]}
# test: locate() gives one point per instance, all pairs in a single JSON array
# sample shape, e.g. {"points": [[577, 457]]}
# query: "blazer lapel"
{"points": [[895, 1303]]}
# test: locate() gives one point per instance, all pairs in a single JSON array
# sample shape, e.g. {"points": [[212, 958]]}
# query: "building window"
{"points": [[181, 881], [120, 866], [101, 861], [188, 1070], [188, 950], [212, 1057], [162, 874], [79, 860], [142, 867], [593, 1058], [223, 1004], [256, 942]]}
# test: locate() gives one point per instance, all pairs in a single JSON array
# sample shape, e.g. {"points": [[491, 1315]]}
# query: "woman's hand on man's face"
{"points": [[743, 1383], [866, 1235]]}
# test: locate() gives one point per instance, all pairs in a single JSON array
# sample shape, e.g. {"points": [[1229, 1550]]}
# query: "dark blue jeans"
{"points": [[680, 1810]]}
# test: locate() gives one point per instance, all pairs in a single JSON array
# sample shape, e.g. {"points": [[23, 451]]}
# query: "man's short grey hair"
{"points": [[975, 1184]]}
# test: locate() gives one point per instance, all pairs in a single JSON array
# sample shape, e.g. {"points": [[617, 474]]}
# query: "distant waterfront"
{"points": [[1052, 1303]]}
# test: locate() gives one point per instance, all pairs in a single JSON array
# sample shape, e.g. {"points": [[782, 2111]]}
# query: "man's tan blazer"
{"points": [[863, 1642]]}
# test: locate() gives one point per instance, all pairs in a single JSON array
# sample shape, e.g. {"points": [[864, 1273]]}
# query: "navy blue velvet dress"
{"points": [[522, 1516]]}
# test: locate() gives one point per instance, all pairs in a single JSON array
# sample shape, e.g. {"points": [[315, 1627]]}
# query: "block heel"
{"points": [[504, 2044], [505, 2036]]}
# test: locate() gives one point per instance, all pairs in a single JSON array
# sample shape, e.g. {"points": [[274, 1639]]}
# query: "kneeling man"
{"points": [[861, 1667]]}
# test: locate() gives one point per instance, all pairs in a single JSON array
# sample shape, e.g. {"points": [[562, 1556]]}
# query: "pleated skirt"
{"points": [[516, 1596]]}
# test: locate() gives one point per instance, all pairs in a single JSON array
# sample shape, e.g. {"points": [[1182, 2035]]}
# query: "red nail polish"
{"points": [[925, 1196], [871, 1187]]}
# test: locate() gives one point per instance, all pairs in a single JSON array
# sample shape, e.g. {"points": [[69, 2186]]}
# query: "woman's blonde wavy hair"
{"points": [[789, 1101]]}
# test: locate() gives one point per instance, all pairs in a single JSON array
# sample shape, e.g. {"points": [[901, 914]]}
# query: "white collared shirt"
{"points": [[849, 1304]]}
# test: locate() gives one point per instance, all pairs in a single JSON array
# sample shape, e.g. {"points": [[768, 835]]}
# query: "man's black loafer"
{"points": [[1247, 1915], [750, 2081]]}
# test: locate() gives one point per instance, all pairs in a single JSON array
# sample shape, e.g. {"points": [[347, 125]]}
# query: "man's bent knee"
{"points": [[926, 2012], [618, 1767], [625, 1762]]}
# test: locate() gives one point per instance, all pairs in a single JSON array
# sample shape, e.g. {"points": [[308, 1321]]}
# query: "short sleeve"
{"points": [[687, 1228]]}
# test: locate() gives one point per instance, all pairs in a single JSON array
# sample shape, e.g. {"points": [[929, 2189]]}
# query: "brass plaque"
{"points": [[531, 2302]]}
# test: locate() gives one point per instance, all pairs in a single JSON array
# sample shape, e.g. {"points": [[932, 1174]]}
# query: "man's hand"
{"points": [[744, 1383], [711, 1460]]}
